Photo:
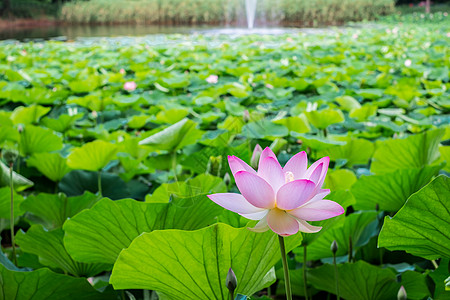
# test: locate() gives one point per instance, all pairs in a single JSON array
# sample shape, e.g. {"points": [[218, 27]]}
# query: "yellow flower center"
{"points": [[289, 176]]}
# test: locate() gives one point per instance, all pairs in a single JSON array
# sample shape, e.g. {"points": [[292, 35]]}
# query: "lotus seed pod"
{"points": [[401, 295], [334, 247], [10, 156], [231, 281]]}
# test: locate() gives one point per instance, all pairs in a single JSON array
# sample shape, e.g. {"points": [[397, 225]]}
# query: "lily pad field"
{"points": [[111, 150]]}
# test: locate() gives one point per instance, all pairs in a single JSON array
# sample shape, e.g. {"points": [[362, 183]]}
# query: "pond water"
{"points": [[72, 32]]}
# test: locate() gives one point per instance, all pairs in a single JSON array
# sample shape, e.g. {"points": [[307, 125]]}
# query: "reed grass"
{"points": [[191, 12]]}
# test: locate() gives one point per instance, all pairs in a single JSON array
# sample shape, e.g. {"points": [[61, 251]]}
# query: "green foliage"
{"points": [[421, 226], [45, 284], [349, 95], [99, 234], [357, 281], [218, 11], [92, 156], [194, 264]]}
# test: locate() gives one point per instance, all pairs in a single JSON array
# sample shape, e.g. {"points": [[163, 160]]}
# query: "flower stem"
{"points": [[350, 249], [174, 165], [305, 280], [287, 280], [336, 276], [11, 222], [435, 265], [99, 182], [231, 295]]}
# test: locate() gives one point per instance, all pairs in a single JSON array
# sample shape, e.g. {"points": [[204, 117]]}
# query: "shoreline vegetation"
{"points": [[317, 13], [212, 12]]}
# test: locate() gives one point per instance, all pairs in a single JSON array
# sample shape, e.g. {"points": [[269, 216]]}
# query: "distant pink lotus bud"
{"points": [[289, 39], [91, 280], [283, 199], [445, 14], [408, 63], [122, 71], [269, 86], [355, 36], [255, 156], [212, 79], [448, 34], [246, 116], [130, 86], [401, 295]]}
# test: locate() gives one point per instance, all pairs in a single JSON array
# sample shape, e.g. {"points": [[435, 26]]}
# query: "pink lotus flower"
{"points": [[122, 71], [282, 199], [408, 63], [212, 79], [130, 86]]}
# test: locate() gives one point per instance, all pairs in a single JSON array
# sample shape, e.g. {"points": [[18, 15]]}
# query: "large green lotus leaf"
{"points": [[297, 285], [363, 113], [29, 115], [92, 156], [45, 284], [439, 276], [356, 151], [52, 210], [357, 281], [172, 116], [422, 226], [49, 247], [85, 86], [8, 133], [264, 129], [315, 142], [100, 233], [194, 264], [62, 124], [415, 151], [371, 94], [324, 118], [415, 285], [202, 184], [123, 101], [341, 179], [347, 103], [5, 203], [20, 182], [174, 137], [176, 81], [355, 226], [445, 154], [93, 101], [52, 165], [391, 190], [77, 182], [36, 140], [297, 124], [198, 160]]}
